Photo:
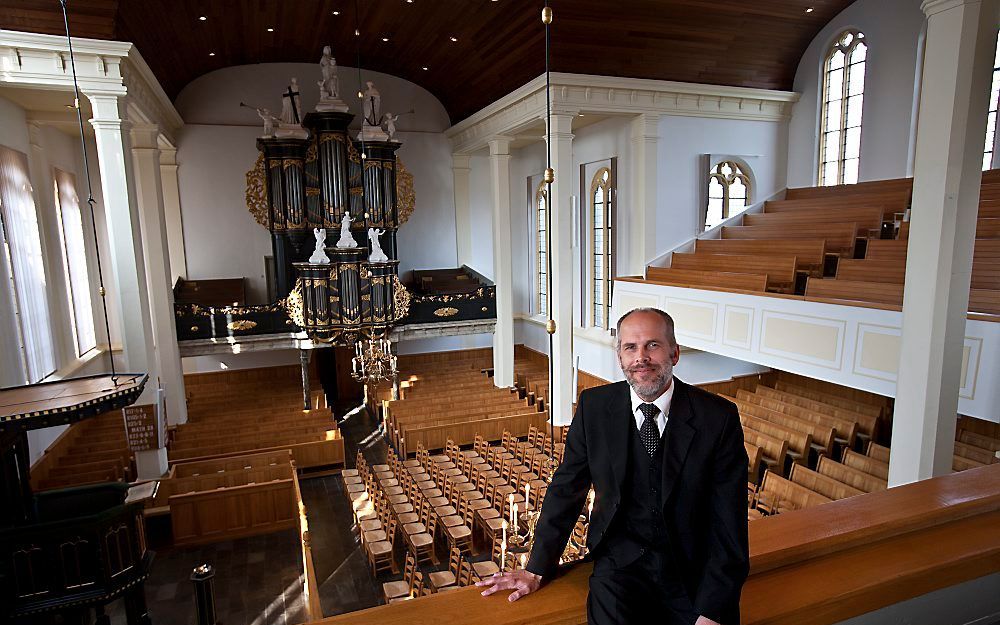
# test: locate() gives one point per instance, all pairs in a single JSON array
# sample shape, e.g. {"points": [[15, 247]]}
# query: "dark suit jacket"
{"points": [[704, 475]]}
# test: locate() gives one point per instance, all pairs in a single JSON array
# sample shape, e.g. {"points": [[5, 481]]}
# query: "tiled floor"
{"points": [[258, 580]]}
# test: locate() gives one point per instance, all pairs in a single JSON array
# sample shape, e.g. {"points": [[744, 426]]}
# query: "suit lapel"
{"points": [[679, 434], [618, 422]]}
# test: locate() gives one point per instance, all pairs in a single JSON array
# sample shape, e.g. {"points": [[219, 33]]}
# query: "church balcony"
{"points": [[852, 345]]}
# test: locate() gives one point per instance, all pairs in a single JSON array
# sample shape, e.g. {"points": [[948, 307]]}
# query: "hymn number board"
{"points": [[142, 427]]}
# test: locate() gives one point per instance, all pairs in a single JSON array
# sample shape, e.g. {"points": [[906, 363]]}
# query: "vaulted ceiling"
{"points": [[468, 53]]}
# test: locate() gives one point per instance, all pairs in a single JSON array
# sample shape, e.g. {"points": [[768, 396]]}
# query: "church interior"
{"points": [[297, 299]]}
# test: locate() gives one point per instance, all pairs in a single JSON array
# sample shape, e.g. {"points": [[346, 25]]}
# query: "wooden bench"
{"points": [[774, 451], [707, 279], [971, 452], [822, 484], [855, 292], [829, 398], [878, 452], [849, 475], [780, 270], [778, 495], [870, 466], [864, 218], [755, 456], [798, 442], [987, 227], [901, 186], [840, 238], [979, 440], [845, 430], [886, 249], [810, 253], [984, 301], [822, 436], [434, 437], [868, 423], [867, 270]]}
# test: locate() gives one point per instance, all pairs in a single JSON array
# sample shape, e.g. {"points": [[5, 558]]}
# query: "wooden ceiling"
{"points": [[499, 47]]}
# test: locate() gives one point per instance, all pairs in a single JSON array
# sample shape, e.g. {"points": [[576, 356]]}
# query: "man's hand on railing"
{"points": [[520, 581]]}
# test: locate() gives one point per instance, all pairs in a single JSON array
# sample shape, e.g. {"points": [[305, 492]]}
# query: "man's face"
{"points": [[645, 354]]}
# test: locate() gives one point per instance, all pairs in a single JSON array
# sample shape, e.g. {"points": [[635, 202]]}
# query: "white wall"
{"points": [[217, 147], [681, 184], [14, 135], [893, 30]]}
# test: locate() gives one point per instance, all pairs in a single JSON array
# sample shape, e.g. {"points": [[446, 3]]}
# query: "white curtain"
{"points": [[75, 260], [23, 248]]}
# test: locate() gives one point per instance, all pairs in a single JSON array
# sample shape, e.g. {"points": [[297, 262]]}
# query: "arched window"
{"points": [[728, 192], [601, 247], [991, 119], [541, 251], [843, 101]]}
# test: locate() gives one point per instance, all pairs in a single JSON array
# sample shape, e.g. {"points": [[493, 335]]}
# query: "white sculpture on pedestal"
{"points": [[291, 114], [346, 238], [329, 86], [269, 121], [377, 255], [390, 126], [371, 108], [319, 256]]}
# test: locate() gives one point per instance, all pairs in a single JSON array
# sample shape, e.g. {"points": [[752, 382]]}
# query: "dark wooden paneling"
{"points": [[500, 44]]}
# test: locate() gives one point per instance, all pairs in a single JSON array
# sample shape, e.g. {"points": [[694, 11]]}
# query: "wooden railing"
{"points": [[814, 566]]}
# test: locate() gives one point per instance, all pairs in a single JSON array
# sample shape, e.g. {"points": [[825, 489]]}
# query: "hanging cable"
{"points": [[549, 178], [90, 191], [357, 35]]}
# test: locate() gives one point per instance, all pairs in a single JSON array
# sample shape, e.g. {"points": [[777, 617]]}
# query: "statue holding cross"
{"points": [[291, 114]]}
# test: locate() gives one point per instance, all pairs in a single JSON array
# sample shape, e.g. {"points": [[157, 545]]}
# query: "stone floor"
{"points": [[258, 580]]}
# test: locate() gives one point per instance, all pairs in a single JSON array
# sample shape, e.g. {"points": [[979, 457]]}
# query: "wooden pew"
{"points": [[835, 389], [779, 495], [868, 423], [755, 456], [810, 253], [849, 475], [878, 452], [774, 451], [780, 270], [822, 484], [855, 292], [987, 227], [886, 249], [870, 466], [844, 430], [840, 238], [902, 186], [864, 218], [971, 452], [434, 437], [979, 440], [984, 301], [867, 270], [707, 279], [847, 403], [822, 436], [798, 442]]}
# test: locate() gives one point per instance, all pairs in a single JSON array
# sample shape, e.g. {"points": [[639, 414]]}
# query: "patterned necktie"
{"points": [[649, 433]]}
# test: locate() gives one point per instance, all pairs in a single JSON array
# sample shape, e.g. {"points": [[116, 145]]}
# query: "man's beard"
{"points": [[652, 388]]}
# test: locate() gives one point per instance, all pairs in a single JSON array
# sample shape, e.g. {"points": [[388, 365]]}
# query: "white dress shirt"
{"points": [[662, 402]]}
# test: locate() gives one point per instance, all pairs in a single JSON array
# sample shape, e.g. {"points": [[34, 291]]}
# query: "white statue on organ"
{"points": [[371, 112], [319, 256], [329, 86], [346, 238], [377, 255]]}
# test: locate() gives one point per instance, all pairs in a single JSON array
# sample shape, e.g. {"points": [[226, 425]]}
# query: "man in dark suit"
{"points": [[668, 531]]}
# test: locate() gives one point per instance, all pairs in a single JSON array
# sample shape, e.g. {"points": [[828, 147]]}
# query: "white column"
{"points": [[955, 86], [641, 210], [148, 187], [460, 169], [561, 393], [126, 258], [172, 213], [503, 335]]}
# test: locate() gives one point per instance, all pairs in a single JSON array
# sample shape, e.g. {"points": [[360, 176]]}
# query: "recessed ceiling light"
{"points": [[385, 39], [203, 18], [336, 12], [581, 114], [809, 10], [454, 38], [211, 54], [424, 68], [357, 32], [270, 30], [360, 95]]}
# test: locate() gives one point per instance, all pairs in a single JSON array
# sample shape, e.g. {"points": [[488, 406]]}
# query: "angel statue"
{"points": [[319, 256], [377, 255], [346, 239], [390, 125]]}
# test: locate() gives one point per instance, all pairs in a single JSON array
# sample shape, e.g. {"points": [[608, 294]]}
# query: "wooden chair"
{"points": [[401, 588], [380, 556], [439, 580]]}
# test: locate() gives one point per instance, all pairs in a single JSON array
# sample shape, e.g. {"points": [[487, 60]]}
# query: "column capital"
{"points": [[168, 157], [562, 125], [931, 7], [646, 126], [35, 134], [500, 145], [144, 136], [461, 161]]}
